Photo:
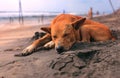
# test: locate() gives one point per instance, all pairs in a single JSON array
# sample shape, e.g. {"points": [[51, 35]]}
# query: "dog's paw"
{"points": [[27, 51], [49, 45]]}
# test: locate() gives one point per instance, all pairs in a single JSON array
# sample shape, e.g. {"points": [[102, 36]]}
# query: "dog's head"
{"points": [[63, 35]]}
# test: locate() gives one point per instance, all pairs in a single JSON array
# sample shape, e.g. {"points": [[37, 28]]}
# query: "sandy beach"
{"points": [[13, 31], [89, 60], [10, 35]]}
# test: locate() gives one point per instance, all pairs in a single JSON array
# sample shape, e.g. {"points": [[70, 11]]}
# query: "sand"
{"points": [[85, 60]]}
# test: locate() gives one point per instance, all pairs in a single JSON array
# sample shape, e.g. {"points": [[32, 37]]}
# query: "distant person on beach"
{"points": [[11, 19], [41, 19], [97, 13], [63, 11], [90, 13]]}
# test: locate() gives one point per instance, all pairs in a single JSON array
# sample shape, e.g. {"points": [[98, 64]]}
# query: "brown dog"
{"points": [[66, 29]]}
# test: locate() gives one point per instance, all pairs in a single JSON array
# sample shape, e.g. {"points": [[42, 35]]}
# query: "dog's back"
{"points": [[95, 29], [65, 18]]}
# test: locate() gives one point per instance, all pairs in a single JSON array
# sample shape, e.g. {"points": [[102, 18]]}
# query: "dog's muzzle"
{"points": [[59, 49]]}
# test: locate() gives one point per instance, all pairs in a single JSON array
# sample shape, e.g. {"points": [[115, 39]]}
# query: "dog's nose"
{"points": [[60, 49]]}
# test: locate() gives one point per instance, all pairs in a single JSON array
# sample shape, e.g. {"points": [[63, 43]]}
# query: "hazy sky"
{"points": [[59, 5]]}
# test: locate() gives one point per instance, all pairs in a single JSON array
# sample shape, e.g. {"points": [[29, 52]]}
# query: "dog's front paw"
{"points": [[27, 51], [49, 45]]}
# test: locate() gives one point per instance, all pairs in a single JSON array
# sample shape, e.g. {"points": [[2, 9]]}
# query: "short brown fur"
{"points": [[66, 29]]}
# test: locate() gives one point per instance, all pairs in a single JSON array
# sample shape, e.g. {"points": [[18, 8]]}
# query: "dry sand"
{"points": [[11, 33], [89, 60]]}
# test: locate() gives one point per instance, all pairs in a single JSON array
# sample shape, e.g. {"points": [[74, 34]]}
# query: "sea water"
{"points": [[28, 18]]}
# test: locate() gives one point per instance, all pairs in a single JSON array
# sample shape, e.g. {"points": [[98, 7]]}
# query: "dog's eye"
{"points": [[65, 35], [54, 36]]}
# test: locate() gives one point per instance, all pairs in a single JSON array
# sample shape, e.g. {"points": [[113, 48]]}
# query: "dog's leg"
{"points": [[49, 45], [35, 44], [85, 35]]}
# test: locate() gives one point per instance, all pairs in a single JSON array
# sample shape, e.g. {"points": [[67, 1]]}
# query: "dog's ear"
{"points": [[78, 23], [46, 29]]}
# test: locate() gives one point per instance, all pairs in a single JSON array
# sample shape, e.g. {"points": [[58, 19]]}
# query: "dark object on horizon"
{"points": [[21, 20], [97, 13], [63, 11], [90, 13], [11, 19], [112, 6], [41, 19]]}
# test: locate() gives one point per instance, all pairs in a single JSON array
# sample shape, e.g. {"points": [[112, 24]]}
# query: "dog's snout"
{"points": [[60, 49]]}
